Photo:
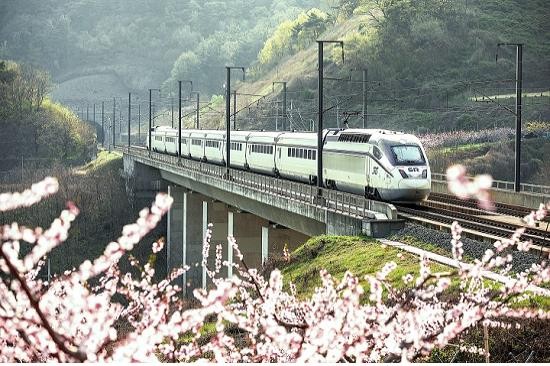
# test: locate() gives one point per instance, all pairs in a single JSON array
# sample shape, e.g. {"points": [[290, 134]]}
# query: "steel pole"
{"points": [[285, 118], [320, 117], [364, 98], [234, 109], [103, 124], [129, 116], [519, 84], [179, 119], [227, 119], [198, 104], [150, 121], [139, 123], [114, 119], [94, 113]]}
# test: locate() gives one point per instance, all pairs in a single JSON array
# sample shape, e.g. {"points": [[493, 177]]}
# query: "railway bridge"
{"points": [[262, 212]]}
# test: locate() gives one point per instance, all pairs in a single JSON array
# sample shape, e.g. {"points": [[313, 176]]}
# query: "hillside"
{"points": [[366, 256], [137, 44], [99, 192], [430, 63], [35, 128]]}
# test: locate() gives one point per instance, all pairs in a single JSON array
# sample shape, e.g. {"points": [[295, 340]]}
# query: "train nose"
{"points": [[414, 184], [414, 189]]}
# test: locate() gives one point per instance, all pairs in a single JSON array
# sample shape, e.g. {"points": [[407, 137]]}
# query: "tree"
{"points": [[74, 316]]}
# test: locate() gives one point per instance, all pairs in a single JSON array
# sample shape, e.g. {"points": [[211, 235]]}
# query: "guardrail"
{"points": [[341, 202], [504, 185]]}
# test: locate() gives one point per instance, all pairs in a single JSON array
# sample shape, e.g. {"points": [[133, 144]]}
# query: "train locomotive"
{"points": [[379, 164]]}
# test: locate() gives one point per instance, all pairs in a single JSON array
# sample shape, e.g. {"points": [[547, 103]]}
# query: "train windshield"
{"points": [[408, 155]]}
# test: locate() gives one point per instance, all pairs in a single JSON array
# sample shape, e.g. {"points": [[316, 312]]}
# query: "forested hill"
{"points": [[136, 42], [34, 128], [430, 63]]}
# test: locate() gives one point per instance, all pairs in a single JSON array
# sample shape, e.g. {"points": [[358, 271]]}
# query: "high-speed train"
{"points": [[380, 164]]}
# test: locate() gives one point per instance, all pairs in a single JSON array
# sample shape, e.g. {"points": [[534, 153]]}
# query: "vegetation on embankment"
{"points": [[34, 128], [338, 254], [497, 159], [409, 87], [364, 256], [99, 192]]}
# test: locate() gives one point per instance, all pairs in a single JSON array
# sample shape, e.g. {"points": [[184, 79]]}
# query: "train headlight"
{"points": [[425, 174], [403, 174]]}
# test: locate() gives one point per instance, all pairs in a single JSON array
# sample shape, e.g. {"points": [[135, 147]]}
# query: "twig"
{"points": [[57, 338]]}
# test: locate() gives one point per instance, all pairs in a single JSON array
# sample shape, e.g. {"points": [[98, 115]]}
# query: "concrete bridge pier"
{"points": [[185, 236], [187, 222]]}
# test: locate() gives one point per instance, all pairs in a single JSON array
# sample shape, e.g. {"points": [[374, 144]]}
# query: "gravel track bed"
{"points": [[472, 248]]}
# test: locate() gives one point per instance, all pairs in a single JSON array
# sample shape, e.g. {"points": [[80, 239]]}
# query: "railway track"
{"points": [[501, 208], [477, 224]]}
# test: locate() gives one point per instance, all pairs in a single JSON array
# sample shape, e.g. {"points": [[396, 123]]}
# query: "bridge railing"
{"points": [[504, 185], [342, 202]]}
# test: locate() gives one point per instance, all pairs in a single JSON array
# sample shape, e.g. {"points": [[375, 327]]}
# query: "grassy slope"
{"points": [[489, 22], [497, 159], [337, 255], [99, 192]]}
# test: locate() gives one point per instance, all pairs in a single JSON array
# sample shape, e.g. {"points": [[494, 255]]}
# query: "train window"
{"points": [[376, 152], [408, 154], [314, 155], [309, 154]]}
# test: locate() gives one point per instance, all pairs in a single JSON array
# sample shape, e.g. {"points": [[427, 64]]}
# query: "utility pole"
{"points": [[150, 121], [234, 109], [197, 109], [139, 123], [365, 97], [114, 119], [87, 108], [151, 118], [228, 115], [321, 111], [103, 124], [519, 87], [285, 118], [276, 115], [179, 119], [129, 117], [172, 108], [120, 123], [94, 113]]}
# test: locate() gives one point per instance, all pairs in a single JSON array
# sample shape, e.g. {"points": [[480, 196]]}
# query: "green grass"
{"points": [[466, 148], [206, 331], [365, 256], [103, 159], [337, 254]]}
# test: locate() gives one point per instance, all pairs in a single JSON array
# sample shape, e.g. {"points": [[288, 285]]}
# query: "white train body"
{"points": [[380, 164]]}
